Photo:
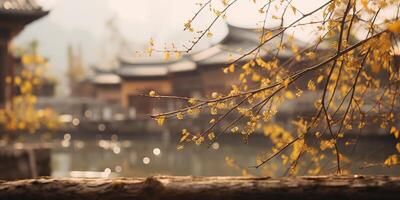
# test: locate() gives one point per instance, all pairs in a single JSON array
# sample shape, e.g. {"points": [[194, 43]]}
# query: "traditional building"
{"points": [[179, 77], [14, 16], [107, 86], [194, 75]]}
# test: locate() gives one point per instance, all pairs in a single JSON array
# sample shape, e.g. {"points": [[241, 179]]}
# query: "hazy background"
{"points": [[83, 23]]}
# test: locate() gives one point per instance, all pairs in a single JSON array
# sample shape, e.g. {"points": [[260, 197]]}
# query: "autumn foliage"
{"points": [[352, 69], [21, 115]]}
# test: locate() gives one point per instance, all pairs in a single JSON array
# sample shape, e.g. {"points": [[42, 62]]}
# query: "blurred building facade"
{"points": [[195, 75]]}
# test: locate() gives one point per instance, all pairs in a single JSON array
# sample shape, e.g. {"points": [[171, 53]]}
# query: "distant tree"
{"points": [[22, 116], [357, 77]]}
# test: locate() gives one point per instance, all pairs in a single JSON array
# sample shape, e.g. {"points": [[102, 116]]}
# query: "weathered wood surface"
{"points": [[205, 188]]}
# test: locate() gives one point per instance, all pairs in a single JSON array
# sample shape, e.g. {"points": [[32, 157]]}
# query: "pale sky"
{"points": [[140, 19]]}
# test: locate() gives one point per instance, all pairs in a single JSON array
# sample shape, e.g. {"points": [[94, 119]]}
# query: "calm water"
{"points": [[113, 157]]}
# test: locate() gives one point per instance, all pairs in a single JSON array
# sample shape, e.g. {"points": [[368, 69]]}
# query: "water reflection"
{"points": [[145, 158], [153, 156]]}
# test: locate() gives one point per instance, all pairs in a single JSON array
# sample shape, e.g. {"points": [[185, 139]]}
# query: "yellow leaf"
{"points": [[179, 116], [209, 34], [17, 80], [246, 66], [255, 77], [391, 160], [192, 101], [364, 3], [265, 37], [151, 42], [27, 59], [231, 68], [332, 6], [178, 54], [160, 120], [395, 132], [299, 92], [199, 140], [394, 27], [214, 111], [295, 49], [320, 78], [150, 51], [327, 144], [188, 26], [286, 83], [234, 129], [398, 147], [230, 161], [211, 136], [311, 55], [289, 95], [311, 85], [167, 55], [185, 135]]}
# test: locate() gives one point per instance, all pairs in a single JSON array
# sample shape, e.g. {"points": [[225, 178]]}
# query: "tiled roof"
{"points": [[157, 69], [153, 71], [107, 79], [19, 6], [182, 66], [243, 39]]}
